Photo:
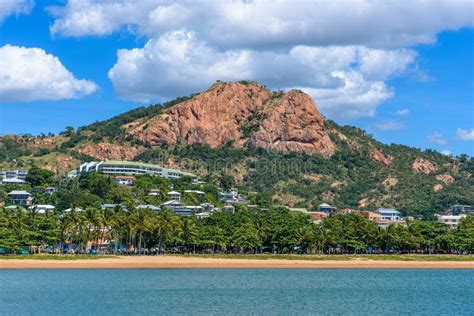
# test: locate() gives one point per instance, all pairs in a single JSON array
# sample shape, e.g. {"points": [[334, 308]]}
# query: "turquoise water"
{"points": [[237, 291]]}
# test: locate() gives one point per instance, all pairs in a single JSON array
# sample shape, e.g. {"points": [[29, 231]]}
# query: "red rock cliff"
{"points": [[244, 114]]}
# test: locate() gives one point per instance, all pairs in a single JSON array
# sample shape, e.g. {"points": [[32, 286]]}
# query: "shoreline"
{"points": [[182, 262]]}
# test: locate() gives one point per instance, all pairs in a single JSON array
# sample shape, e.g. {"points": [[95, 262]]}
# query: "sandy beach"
{"points": [[181, 262]]}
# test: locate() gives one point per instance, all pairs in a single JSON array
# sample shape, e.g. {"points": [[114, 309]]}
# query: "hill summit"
{"points": [[244, 114]]}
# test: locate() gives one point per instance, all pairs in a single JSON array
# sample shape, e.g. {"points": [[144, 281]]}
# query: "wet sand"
{"points": [[182, 262]]}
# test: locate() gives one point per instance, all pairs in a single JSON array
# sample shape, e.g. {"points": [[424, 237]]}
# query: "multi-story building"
{"points": [[389, 214], [10, 174], [451, 220], [461, 209], [16, 181], [20, 197], [375, 217], [173, 195], [114, 167]]}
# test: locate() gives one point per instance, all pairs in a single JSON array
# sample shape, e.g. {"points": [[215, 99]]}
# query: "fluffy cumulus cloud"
{"points": [[277, 23], [465, 134], [338, 77], [437, 138], [342, 53], [29, 74], [17, 7]]}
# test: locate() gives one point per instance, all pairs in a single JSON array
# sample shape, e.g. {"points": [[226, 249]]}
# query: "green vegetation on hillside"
{"points": [[350, 178]]}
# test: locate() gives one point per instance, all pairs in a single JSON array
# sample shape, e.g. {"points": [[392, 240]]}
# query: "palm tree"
{"points": [[188, 231], [91, 224], [166, 223], [141, 219], [306, 238]]}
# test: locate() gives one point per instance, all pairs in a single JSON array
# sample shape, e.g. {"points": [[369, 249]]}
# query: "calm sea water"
{"points": [[241, 291]]}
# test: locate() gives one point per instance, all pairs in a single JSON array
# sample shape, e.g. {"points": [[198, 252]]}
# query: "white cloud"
{"points": [[437, 138], [447, 152], [389, 125], [178, 63], [9, 7], [29, 74], [465, 134], [245, 24], [342, 53], [403, 112]]}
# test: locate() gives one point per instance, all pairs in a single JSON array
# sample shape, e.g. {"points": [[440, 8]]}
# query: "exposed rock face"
{"points": [[437, 187], [293, 124], [108, 151], [423, 166], [379, 156], [446, 178], [243, 114]]}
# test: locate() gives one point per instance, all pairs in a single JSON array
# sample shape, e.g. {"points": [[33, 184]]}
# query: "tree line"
{"points": [[245, 231]]}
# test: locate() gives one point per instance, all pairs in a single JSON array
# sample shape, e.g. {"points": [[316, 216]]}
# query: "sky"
{"points": [[401, 70]]}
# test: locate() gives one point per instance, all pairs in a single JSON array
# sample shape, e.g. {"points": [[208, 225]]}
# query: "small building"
{"points": [[345, 211], [318, 216], [42, 208], [173, 195], [50, 190], [451, 220], [389, 214], [229, 208], [375, 217], [69, 210], [326, 208], [14, 181], [154, 192], [111, 206], [125, 180], [11, 174], [179, 208], [461, 209], [202, 215], [197, 192], [230, 196], [20, 197], [151, 207]]}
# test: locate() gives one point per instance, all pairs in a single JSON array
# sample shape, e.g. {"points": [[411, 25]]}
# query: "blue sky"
{"points": [[412, 86]]}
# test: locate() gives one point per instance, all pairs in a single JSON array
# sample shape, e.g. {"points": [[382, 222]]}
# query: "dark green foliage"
{"points": [[39, 177], [276, 230]]}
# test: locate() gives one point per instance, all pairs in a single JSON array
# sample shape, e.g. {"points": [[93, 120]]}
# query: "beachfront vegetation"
{"points": [[274, 230]]}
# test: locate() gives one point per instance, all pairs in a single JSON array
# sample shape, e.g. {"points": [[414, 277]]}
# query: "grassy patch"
{"points": [[396, 257], [55, 257]]}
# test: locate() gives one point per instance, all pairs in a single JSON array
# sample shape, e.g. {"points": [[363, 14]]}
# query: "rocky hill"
{"points": [[275, 143], [244, 114]]}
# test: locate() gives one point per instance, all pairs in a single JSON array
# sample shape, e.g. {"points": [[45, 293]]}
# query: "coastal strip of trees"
{"points": [[140, 231]]}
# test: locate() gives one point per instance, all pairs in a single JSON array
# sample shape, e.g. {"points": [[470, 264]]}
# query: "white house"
{"points": [[173, 195], [126, 180], [451, 220], [389, 214], [154, 192], [16, 181], [42, 208], [181, 209], [20, 197]]}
